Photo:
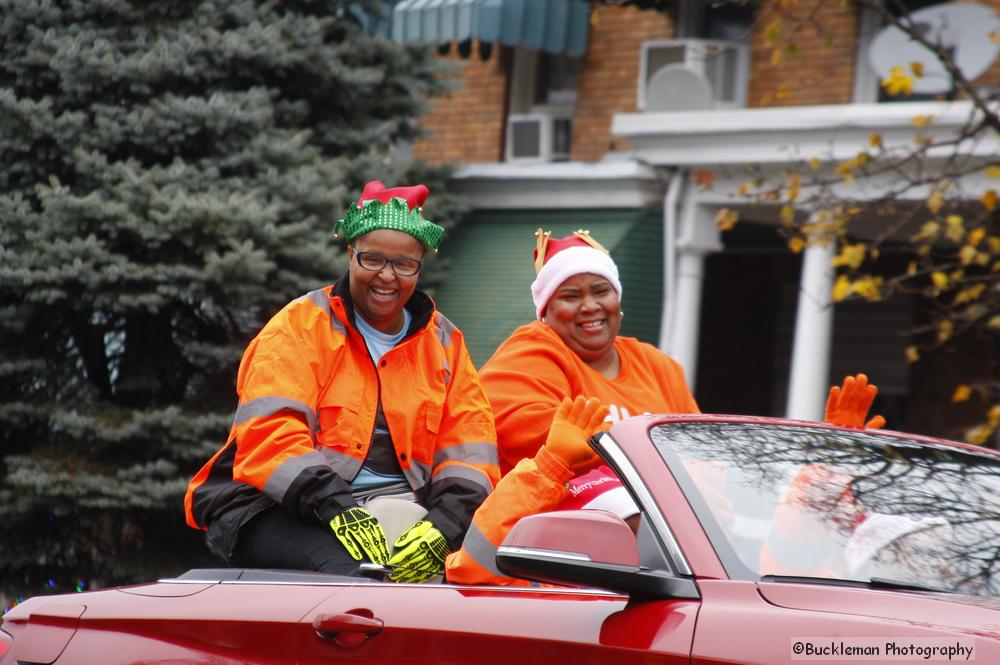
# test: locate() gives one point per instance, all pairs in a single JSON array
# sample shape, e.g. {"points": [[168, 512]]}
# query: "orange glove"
{"points": [[848, 406], [575, 421]]}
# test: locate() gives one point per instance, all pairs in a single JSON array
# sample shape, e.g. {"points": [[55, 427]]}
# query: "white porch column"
{"points": [[807, 385], [684, 338], [698, 237]]}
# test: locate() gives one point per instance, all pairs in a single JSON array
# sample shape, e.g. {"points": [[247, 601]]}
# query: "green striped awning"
{"points": [[553, 26], [490, 269]]}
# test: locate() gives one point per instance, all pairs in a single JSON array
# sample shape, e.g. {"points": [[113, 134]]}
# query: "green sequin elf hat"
{"points": [[397, 209]]}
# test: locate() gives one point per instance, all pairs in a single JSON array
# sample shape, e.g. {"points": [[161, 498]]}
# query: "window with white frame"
{"points": [[540, 113]]}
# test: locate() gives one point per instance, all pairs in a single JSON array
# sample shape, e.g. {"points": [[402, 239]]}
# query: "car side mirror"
{"points": [[585, 548]]}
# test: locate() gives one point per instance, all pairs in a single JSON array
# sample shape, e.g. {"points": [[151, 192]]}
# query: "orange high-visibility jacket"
{"points": [[533, 370], [535, 485], [308, 396]]}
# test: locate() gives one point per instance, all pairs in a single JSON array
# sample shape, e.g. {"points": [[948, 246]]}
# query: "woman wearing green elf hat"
{"points": [[361, 389]]}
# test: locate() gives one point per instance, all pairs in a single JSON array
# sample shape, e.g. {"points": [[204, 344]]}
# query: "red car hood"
{"points": [[974, 615]]}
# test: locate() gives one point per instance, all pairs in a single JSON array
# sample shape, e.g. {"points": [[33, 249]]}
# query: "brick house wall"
{"points": [[609, 73], [467, 123], [821, 72]]}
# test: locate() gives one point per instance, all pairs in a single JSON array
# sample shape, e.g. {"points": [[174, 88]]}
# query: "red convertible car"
{"points": [[760, 541]]}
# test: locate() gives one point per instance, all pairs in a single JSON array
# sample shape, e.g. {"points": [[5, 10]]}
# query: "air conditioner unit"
{"points": [[538, 137], [673, 73]]}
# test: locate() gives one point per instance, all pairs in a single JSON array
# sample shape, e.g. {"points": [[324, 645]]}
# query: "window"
{"points": [[540, 114]]}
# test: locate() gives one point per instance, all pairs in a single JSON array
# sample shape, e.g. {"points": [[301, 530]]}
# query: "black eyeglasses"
{"points": [[374, 261]]}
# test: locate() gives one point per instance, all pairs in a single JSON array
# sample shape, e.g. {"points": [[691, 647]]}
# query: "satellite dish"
{"points": [[962, 28], [678, 88]]}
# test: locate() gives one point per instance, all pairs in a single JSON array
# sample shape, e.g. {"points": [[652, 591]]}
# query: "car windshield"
{"points": [[821, 503]]}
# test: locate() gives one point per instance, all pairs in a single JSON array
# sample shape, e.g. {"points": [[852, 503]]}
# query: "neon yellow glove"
{"points": [[575, 421], [420, 553], [361, 535], [848, 406]]}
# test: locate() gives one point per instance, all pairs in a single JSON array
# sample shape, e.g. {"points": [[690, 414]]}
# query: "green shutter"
{"points": [[488, 295]]}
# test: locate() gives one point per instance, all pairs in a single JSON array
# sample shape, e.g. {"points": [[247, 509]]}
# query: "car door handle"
{"points": [[349, 629]]}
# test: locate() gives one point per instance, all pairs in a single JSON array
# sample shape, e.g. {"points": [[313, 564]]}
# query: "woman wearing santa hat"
{"points": [[574, 349]]}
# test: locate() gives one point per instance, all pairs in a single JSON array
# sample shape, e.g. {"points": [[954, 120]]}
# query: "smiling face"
{"points": [[586, 313], [379, 296]]}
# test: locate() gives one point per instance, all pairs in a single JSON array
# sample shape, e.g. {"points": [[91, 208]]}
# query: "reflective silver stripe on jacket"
{"points": [[481, 550], [342, 464], [466, 472], [282, 477], [417, 475], [445, 329], [473, 453], [269, 406]]}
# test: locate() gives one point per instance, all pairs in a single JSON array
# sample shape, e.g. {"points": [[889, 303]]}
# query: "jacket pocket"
{"points": [[338, 419]]}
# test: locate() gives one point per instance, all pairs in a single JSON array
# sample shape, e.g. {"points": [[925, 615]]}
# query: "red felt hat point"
{"points": [[376, 191], [556, 245]]}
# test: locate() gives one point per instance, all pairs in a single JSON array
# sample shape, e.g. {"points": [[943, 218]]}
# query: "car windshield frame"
{"points": [[885, 473]]}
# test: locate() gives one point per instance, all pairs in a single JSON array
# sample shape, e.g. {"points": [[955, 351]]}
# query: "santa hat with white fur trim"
{"points": [[558, 259]]}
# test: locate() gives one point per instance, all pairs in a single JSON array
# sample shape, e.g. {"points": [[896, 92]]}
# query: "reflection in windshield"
{"points": [[848, 505]]}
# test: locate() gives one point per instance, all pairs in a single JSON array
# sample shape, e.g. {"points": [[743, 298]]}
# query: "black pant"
{"points": [[274, 538]]}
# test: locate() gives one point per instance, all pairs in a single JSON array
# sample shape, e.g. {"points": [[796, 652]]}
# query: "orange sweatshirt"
{"points": [[533, 370]]}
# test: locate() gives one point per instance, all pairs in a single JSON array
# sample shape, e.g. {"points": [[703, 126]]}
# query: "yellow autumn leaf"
{"points": [[850, 255], [920, 121], [898, 82], [776, 57], [940, 279], [726, 219], [793, 187], [989, 199], [796, 244], [875, 140], [912, 354], [814, 163], [994, 322], [945, 329], [976, 236], [918, 69], [993, 171], [784, 92], [962, 394], [869, 288], [978, 435], [935, 202], [744, 188], [928, 231], [993, 415], [841, 288], [967, 254], [772, 32], [954, 228], [969, 294], [787, 215]]}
